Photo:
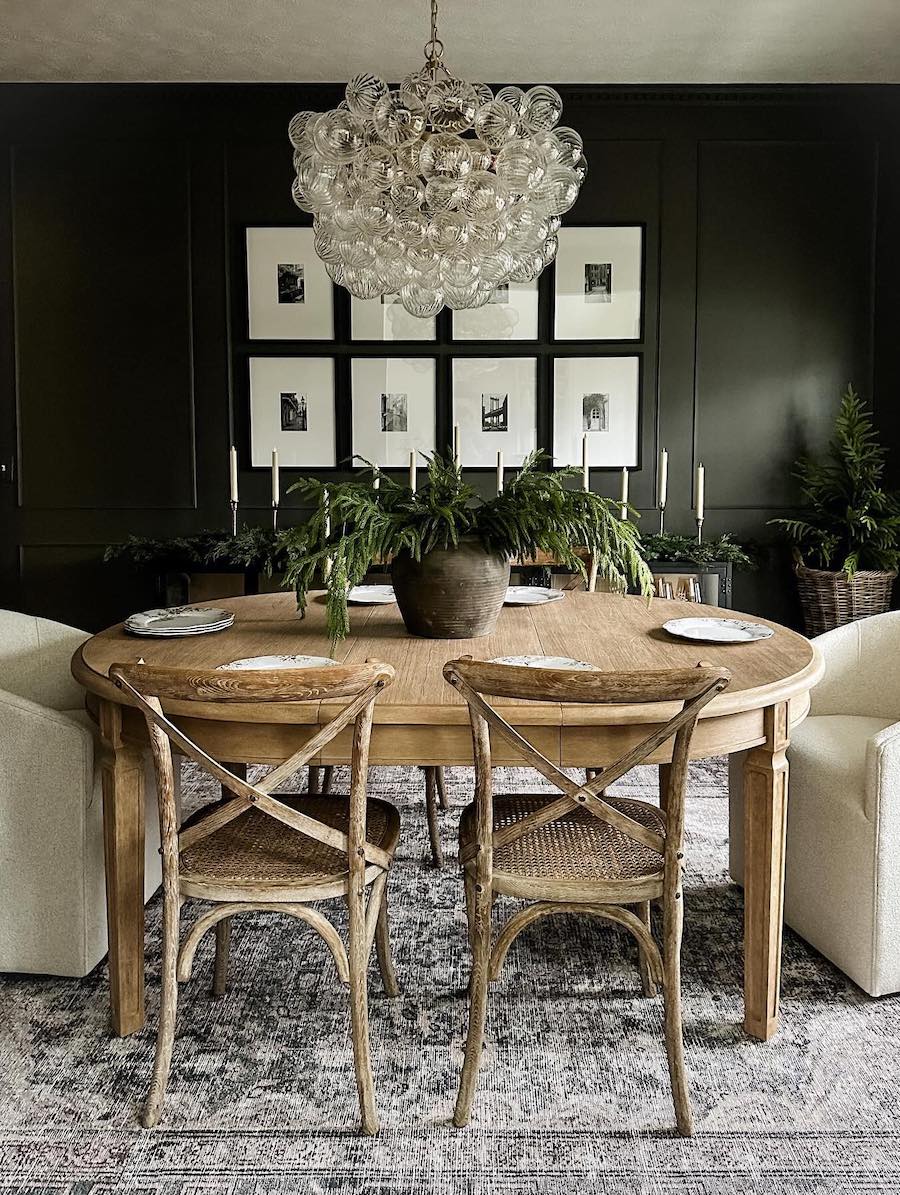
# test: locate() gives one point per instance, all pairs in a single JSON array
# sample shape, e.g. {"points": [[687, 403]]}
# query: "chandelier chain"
{"points": [[434, 49]]}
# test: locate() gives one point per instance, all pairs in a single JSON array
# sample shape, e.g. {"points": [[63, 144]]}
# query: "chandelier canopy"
{"points": [[439, 191]]}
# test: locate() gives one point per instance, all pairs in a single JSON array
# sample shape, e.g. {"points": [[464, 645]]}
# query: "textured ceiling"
{"points": [[612, 41]]}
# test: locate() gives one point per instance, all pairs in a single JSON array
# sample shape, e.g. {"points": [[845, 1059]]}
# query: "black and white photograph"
{"points": [[511, 313], [595, 413], [495, 406], [495, 412], [291, 287], [293, 412], [596, 399], [392, 408], [598, 282], [289, 293], [393, 413]]}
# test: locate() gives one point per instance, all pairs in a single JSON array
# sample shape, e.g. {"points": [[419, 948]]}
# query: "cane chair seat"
{"points": [[577, 849], [256, 852]]}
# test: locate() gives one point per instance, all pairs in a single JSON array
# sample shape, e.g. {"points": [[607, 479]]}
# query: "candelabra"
{"points": [[274, 515], [234, 510]]}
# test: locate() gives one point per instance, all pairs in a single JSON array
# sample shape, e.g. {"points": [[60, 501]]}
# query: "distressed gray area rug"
{"points": [[573, 1095]]}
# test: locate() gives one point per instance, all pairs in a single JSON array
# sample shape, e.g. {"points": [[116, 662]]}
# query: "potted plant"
{"points": [[846, 546], [449, 550]]}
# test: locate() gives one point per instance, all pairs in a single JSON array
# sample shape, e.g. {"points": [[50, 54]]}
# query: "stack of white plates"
{"points": [[178, 620], [531, 595]]}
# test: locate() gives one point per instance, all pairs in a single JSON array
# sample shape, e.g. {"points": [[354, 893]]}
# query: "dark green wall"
{"points": [[772, 273]]}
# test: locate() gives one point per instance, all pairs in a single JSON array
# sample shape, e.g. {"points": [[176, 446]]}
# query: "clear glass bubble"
{"points": [[527, 268], [362, 94], [571, 146], [496, 123], [481, 154], [559, 190], [297, 129], [486, 238], [496, 267], [452, 105], [423, 258], [581, 170], [421, 301], [483, 93], [445, 155], [378, 166], [416, 86], [299, 197], [410, 228], [521, 165], [442, 194], [447, 232], [374, 214], [357, 254], [364, 284], [339, 137], [542, 108], [407, 195], [327, 247], [514, 96], [464, 271], [458, 298], [408, 157], [344, 220], [397, 120], [391, 247], [397, 274], [484, 198], [335, 271], [550, 249]]}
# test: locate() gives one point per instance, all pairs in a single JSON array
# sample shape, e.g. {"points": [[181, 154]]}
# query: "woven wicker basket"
{"points": [[829, 600]]}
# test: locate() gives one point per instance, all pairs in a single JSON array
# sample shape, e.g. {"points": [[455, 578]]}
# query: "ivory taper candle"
{"points": [[275, 486], [376, 478], [585, 467], [499, 472], [662, 487], [701, 490], [623, 512], [412, 471], [233, 473]]}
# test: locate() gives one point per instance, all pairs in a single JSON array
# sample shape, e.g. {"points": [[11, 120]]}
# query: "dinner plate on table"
{"points": [[172, 621], [564, 662], [717, 630], [261, 663], [371, 595], [531, 595]]}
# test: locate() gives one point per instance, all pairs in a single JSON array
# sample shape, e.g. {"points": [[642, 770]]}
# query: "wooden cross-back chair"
{"points": [[257, 850], [584, 851]]}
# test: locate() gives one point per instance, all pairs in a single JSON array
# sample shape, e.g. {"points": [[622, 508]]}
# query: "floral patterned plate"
{"points": [[717, 630], [178, 620], [371, 595], [258, 663], [546, 662], [531, 595]]}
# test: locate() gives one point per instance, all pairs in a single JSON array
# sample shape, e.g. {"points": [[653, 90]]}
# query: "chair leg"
{"points": [[441, 788], [649, 987], [431, 813], [469, 883], [223, 950], [674, 916], [165, 1036], [359, 1017], [327, 774], [315, 780], [383, 949], [478, 989]]}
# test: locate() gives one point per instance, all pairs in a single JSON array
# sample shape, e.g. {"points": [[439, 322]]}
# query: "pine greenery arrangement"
{"points": [[353, 525], [852, 523], [252, 548], [666, 547]]}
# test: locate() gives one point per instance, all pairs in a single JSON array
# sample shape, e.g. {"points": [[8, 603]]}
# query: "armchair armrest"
{"points": [[42, 747], [882, 801]]}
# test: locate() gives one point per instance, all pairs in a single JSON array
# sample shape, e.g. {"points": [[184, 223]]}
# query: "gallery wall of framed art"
{"points": [[542, 366]]}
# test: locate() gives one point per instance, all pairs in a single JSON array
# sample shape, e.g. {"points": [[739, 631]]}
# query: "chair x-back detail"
{"points": [[258, 850], [585, 851]]}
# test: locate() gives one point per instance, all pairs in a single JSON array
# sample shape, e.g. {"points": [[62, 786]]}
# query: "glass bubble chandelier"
{"points": [[439, 191]]}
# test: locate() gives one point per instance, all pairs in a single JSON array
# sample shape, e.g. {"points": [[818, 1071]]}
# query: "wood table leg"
{"points": [[122, 777], [765, 825]]}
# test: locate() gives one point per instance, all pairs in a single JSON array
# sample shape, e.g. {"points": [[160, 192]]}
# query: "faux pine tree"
{"points": [[852, 521]]}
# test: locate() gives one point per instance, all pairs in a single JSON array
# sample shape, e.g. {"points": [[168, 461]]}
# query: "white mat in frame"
{"points": [[495, 405], [512, 314], [598, 283], [393, 404], [387, 319], [292, 409], [599, 397], [289, 294]]}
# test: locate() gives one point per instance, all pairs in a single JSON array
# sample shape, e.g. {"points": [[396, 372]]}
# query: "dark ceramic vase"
{"points": [[451, 593]]}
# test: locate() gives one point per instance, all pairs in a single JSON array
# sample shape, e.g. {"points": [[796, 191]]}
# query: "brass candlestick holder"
{"points": [[234, 510], [274, 516]]}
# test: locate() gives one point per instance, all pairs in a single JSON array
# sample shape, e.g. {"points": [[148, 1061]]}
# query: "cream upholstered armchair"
{"points": [[842, 881], [52, 888]]}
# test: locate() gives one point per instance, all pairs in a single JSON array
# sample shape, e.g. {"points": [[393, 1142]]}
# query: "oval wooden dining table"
{"points": [[420, 720]]}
